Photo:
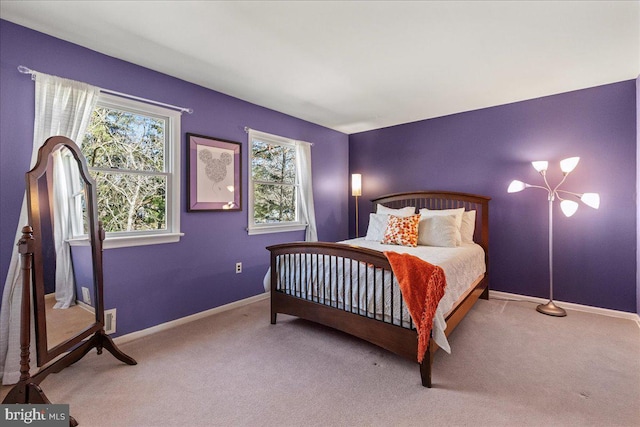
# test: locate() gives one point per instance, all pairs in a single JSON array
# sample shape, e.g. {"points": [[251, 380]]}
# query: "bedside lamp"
{"points": [[356, 191]]}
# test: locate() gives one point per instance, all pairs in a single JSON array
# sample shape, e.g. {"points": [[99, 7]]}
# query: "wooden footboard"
{"points": [[336, 276], [334, 312]]}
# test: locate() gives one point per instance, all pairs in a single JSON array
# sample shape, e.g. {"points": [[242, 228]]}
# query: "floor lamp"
{"points": [[568, 207], [356, 190]]}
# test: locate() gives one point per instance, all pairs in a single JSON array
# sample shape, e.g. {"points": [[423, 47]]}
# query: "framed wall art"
{"points": [[215, 174]]}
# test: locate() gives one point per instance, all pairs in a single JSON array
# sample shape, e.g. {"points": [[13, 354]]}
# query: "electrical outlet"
{"points": [[238, 267], [86, 296]]}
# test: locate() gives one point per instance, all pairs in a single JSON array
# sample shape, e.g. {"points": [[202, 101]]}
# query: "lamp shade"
{"points": [[540, 165], [569, 207], [591, 200], [516, 186], [567, 165], [356, 184]]}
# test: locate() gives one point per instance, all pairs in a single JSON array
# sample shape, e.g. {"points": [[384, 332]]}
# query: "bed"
{"points": [[350, 286]]}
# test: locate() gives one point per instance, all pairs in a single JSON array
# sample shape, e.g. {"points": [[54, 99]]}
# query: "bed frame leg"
{"points": [[273, 317], [485, 293], [425, 373], [425, 367]]}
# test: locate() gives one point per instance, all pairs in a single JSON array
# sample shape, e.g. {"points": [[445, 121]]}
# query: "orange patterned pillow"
{"points": [[402, 231]]}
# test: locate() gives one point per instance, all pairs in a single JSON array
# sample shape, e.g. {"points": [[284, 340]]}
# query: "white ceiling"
{"points": [[359, 65]]}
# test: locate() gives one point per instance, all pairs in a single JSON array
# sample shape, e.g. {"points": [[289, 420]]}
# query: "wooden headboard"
{"points": [[445, 200]]}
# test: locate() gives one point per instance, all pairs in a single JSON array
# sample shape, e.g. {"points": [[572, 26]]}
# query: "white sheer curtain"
{"points": [[308, 212], [63, 107], [64, 186], [307, 209]]}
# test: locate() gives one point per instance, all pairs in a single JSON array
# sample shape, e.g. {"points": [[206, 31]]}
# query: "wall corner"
{"points": [[637, 199]]}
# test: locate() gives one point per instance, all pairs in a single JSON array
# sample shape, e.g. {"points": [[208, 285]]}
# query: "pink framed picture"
{"points": [[215, 174]]}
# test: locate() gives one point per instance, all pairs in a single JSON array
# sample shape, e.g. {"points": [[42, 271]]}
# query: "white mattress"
{"points": [[462, 266]]}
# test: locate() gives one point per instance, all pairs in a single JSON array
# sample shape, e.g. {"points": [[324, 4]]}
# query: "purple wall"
{"points": [[482, 151], [150, 285]]}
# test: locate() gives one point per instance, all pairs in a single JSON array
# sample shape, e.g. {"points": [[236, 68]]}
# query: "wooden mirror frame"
{"points": [[27, 390], [35, 207]]}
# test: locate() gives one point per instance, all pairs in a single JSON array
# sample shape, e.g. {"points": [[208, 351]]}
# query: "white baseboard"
{"points": [[172, 324], [492, 294], [86, 306], [567, 305]]}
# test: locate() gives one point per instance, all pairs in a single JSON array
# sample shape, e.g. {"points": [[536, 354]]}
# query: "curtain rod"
{"points": [[26, 70]]}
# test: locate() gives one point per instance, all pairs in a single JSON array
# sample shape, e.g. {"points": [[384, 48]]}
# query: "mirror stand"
{"points": [[60, 166], [27, 390]]}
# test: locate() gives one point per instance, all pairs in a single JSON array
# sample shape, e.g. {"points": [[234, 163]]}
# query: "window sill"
{"points": [[275, 229], [130, 241]]}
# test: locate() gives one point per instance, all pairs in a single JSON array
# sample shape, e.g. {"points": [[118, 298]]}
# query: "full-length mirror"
{"points": [[62, 207], [66, 281]]}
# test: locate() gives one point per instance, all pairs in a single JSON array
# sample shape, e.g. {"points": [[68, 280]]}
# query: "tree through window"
{"points": [[131, 155], [274, 185], [274, 177]]}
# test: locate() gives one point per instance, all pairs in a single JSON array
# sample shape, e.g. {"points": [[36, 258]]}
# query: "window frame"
{"points": [[281, 227], [171, 170]]}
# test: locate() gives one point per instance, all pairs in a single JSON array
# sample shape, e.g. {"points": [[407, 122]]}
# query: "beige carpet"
{"points": [[65, 324], [510, 366]]}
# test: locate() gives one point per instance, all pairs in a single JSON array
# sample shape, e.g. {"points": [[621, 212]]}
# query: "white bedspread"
{"points": [[462, 266]]}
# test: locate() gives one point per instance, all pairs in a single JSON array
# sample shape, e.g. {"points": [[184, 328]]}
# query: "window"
{"points": [[274, 184], [133, 152]]}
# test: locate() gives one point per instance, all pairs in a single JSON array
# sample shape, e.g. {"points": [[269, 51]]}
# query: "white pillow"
{"points": [[402, 212], [428, 213], [438, 230], [377, 226], [468, 226]]}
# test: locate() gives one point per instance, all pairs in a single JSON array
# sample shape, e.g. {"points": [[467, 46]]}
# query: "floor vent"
{"points": [[110, 321]]}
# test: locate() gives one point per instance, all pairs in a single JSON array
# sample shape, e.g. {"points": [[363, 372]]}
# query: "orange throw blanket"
{"points": [[422, 286]]}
